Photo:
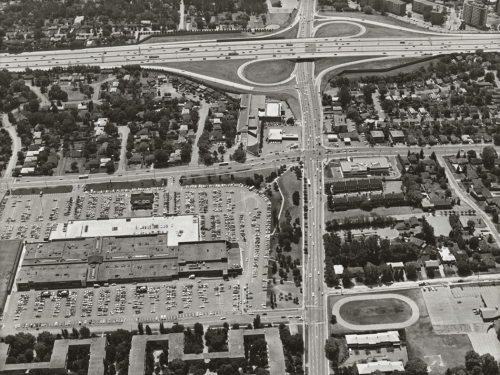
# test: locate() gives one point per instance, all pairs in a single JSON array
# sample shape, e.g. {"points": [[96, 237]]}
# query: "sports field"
{"points": [[380, 311]]}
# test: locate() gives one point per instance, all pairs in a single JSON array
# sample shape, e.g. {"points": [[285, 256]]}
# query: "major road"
{"points": [[303, 48]]}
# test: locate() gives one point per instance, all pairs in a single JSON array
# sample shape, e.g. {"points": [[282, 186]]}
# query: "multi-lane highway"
{"points": [[313, 301], [303, 48]]}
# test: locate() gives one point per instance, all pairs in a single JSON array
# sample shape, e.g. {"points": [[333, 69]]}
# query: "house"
{"points": [[432, 264]]}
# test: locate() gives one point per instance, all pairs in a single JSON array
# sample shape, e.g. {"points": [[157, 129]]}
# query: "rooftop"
{"points": [[180, 228]]}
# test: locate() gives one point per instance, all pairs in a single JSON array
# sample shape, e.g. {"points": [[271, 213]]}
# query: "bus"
{"points": [[185, 49], [154, 56], [223, 164], [83, 176], [309, 182]]}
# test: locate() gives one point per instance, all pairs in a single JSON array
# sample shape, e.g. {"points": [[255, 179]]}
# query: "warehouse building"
{"points": [[421, 6]]}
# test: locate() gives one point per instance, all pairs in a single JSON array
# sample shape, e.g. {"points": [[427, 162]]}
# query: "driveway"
{"points": [[201, 124], [123, 130], [16, 145]]}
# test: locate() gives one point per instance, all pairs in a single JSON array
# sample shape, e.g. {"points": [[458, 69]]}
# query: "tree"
{"points": [[256, 322], [416, 366], [463, 268], [110, 167], [74, 166], [372, 274], [296, 198], [471, 224], [240, 155], [84, 332], [148, 330], [140, 328], [368, 10], [344, 96], [422, 154], [472, 359], [489, 155], [332, 349]]}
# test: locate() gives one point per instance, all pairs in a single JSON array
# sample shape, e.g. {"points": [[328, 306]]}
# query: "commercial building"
{"points": [[397, 7], [475, 14], [377, 136], [248, 120], [397, 136], [421, 6], [178, 228], [277, 136], [271, 113], [142, 201], [84, 262], [362, 167]]}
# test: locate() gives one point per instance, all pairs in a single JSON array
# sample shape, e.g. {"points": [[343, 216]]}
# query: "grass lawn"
{"points": [[375, 17], [374, 31], [327, 62], [223, 177], [271, 71], [227, 70], [45, 190], [73, 95], [171, 38], [382, 311], [383, 64], [337, 30], [381, 211], [393, 187], [9, 259], [123, 185], [288, 184]]}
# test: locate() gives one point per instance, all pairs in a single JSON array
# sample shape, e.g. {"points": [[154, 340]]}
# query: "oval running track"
{"points": [[415, 312]]}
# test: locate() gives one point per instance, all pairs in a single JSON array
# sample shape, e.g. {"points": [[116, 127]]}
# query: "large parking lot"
{"points": [[226, 212]]}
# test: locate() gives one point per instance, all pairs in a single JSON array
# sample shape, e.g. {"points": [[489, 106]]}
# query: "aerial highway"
{"points": [[303, 48]]}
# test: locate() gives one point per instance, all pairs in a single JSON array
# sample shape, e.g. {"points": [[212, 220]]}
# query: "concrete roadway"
{"points": [[306, 47]]}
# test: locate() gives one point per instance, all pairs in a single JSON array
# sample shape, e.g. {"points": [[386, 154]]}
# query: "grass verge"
{"points": [[270, 71], [337, 30], [124, 185], [45, 190], [226, 70]]}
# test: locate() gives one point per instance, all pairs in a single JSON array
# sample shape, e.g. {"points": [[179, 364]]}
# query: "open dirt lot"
{"points": [[441, 225], [226, 212]]}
